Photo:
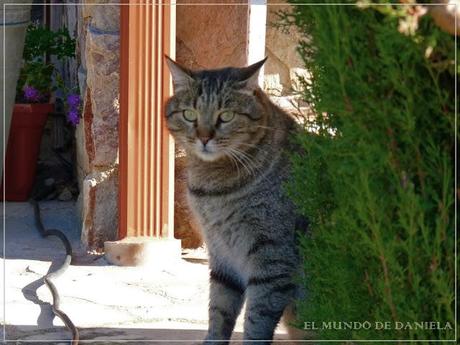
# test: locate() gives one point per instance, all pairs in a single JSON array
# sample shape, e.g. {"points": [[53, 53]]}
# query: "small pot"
{"points": [[13, 25], [23, 149]]}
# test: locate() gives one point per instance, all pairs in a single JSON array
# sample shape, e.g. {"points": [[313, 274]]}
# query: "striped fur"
{"points": [[235, 190]]}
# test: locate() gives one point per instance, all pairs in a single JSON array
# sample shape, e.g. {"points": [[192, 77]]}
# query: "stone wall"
{"points": [[211, 36], [97, 134], [284, 65]]}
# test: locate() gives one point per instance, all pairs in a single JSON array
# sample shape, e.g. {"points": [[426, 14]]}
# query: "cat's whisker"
{"points": [[255, 146], [255, 166], [245, 157], [245, 154], [235, 158], [240, 159], [249, 164], [237, 162], [248, 170], [271, 128], [230, 155]]}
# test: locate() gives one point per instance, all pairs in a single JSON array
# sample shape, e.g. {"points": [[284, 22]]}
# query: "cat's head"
{"points": [[215, 113]]}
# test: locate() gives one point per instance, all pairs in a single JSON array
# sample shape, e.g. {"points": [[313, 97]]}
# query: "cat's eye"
{"points": [[227, 116], [190, 115]]}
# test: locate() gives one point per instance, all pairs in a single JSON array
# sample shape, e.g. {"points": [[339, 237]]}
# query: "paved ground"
{"points": [[107, 303]]}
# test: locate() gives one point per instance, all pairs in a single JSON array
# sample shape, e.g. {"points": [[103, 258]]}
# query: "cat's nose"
{"points": [[204, 135], [205, 139]]}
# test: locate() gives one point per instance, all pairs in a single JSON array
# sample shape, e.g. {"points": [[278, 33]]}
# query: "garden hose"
{"points": [[53, 275]]}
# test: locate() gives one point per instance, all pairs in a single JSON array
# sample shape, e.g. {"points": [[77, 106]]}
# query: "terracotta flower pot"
{"points": [[13, 23], [23, 149]]}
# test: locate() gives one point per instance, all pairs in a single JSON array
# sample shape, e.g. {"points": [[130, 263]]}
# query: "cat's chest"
{"points": [[221, 219], [216, 215]]}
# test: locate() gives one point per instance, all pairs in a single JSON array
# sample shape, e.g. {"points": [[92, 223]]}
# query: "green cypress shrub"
{"points": [[376, 178]]}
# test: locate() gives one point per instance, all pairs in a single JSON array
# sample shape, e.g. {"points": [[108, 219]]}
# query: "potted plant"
{"points": [[38, 79], [13, 25]]}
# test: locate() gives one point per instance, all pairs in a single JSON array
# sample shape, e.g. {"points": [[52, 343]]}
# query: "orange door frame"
{"points": [[146, 170]]}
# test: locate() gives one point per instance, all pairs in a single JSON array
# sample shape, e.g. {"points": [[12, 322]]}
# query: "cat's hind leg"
{"points": [[225, 302], [267, 297]]}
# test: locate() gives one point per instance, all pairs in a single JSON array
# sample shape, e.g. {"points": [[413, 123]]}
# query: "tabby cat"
{"points": [[234, 137]]}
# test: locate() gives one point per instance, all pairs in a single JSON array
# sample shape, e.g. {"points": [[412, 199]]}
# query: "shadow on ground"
{"points": [[131, 336], [23, 240], [164, 303]]}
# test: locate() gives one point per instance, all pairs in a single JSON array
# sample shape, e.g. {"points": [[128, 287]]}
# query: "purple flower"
{"points": [[31, 94], [73, 100], [73, 117]]}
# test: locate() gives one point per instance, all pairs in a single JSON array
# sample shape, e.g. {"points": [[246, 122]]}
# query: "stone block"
{"points": [[281, 48], [211, 36], [99, 205], [143, 251], [103, 77], [105, 18]]}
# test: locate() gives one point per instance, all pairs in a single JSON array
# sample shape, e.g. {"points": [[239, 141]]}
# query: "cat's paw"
{"points": [[212, 340]]}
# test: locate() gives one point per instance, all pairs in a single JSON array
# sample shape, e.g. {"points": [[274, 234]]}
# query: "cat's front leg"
{"points": [[226, 296], [267, 297]]}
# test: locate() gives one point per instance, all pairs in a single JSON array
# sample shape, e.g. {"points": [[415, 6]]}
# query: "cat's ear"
{"points": [[181, 76], [250, 75]]}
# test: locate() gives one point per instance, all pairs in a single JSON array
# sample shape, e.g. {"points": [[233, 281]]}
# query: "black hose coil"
{"points": [[51, 276]]}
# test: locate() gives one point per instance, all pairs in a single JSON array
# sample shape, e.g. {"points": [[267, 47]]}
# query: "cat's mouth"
{"points": [[207, 155], [207, 152]]}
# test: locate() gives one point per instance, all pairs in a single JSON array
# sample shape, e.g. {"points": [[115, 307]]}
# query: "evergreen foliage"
{"points": [[376, 179]]}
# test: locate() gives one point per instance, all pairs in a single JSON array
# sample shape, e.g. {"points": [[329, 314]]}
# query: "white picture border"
{"points": [[456, 4]]}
